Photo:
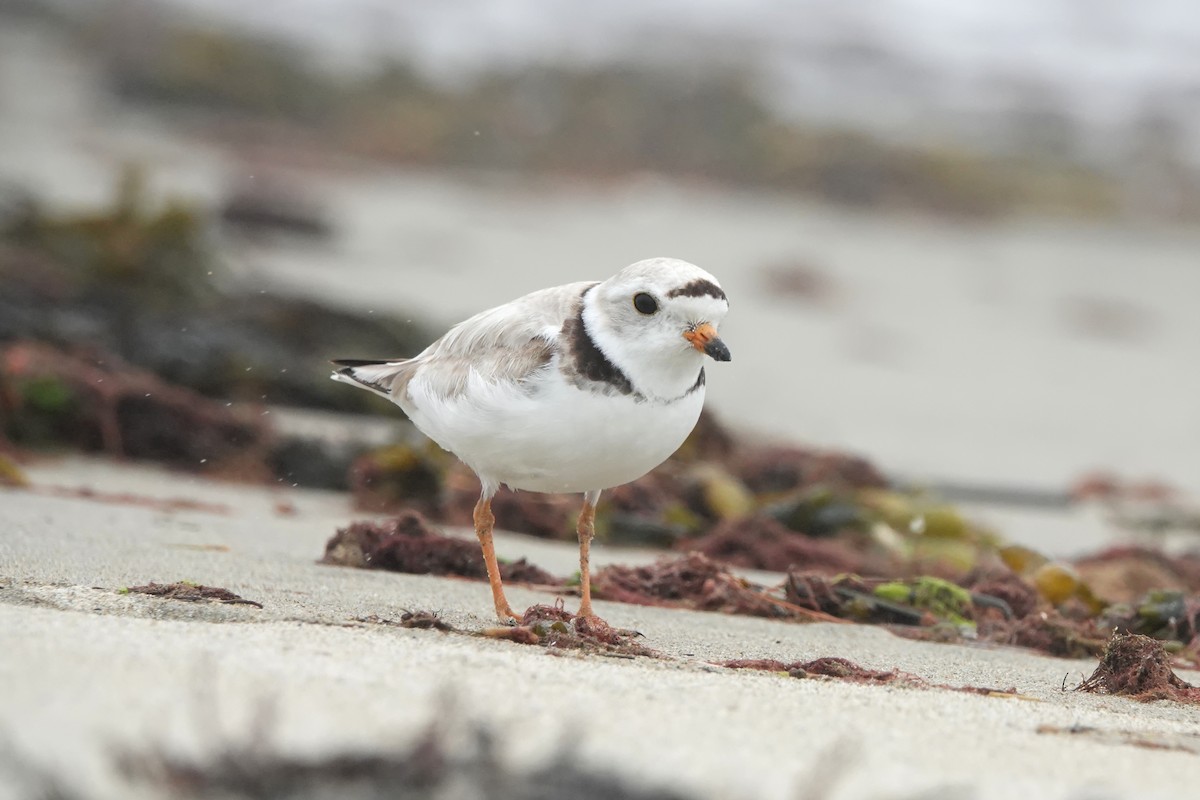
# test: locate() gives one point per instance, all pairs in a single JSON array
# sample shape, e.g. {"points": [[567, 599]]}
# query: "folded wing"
{"points": [[503, 345]]}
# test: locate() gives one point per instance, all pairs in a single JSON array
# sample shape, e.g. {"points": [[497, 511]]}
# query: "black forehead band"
{"points": [[699, 288]]}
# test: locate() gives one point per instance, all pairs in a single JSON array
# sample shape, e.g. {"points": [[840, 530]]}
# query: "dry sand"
{"points": [[84, 668]]}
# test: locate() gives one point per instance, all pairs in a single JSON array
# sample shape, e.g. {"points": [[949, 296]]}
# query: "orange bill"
{"points": [[704, 338]]}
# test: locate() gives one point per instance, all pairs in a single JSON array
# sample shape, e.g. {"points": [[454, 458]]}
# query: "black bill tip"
{"points": [[717, 350]]}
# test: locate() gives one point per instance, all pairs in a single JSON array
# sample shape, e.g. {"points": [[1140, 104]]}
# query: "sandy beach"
{"points": [[87, 670]]}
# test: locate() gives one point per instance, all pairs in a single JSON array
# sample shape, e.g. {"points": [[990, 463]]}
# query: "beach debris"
{"points": [[712, 493], [926, 536], [650, 494], [452, 757], [641, 530], [709, 440], [1018, 596], [1057, 582], [936, 596], [12, 475], [820, 511], [692, 581], [550, 516], [154, 253], [552, 627], [1169, 615], [1137, 666], [1124, 573], [93, 400], [420, 620], [828, 667], [924, 600], [1026, 619], [650, 511], [760, 542], [144, 280], [1003, 609], [1051, 633], [775, 470], [557, 629], [409, 543], [846, 597], [843, 669], [191, 592], [424, 620], [400, 476]]}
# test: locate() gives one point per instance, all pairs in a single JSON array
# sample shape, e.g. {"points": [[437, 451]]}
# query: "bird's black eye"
{"points": [[645, 303]]}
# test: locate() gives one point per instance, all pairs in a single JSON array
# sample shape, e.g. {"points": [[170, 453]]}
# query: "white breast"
{"points": [[555, 438]]}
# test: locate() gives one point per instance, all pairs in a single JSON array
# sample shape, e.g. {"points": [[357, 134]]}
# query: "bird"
{"points": [[572, 389]]}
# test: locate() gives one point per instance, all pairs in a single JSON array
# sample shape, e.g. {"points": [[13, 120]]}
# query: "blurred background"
{"points": [[960, 240]]}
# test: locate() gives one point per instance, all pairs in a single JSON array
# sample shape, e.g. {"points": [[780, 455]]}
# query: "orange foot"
{"points": [[507, 616]]}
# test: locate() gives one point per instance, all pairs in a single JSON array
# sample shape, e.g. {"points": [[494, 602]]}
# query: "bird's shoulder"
{"points": [[538, 315], [503, 345]]}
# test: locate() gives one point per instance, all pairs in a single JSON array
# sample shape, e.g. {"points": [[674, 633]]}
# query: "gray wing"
{"points": [[508, 344]]}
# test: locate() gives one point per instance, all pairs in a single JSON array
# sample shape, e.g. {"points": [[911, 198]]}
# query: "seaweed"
{"points": [[144, 281], [694, 581], [1051, 633], [941, 598], [550, 516], [555, 628], [1165, 614], [843, 669], [409, 543], [1136, 666], [760, 542], [191, 593], [93, 400], [436, 765], [1123, 574], [418, 620], [400, 476], [11, 475], [999, 582], [780, 469]]}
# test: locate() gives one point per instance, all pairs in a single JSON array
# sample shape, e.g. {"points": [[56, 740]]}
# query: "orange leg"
{"points": [[586, 530], [483, 529]]}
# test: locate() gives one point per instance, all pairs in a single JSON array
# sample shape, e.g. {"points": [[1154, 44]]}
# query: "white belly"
{"points": [[560, 439]]}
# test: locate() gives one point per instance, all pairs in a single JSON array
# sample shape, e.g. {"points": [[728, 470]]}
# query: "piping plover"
{"points": [[577, 388]]}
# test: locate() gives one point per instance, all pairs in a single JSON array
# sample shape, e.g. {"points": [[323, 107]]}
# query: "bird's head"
{"points": [[656, 320]]}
